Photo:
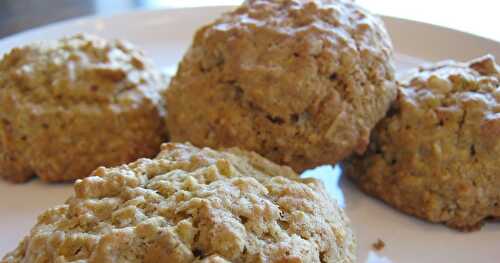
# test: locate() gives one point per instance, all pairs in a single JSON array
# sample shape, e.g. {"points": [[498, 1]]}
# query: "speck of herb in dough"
{"points": [[379, 245]]}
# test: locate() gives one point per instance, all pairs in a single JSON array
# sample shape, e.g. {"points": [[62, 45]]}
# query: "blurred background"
{"points": [[479, 17]]}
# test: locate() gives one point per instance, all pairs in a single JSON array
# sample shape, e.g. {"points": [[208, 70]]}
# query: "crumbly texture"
{"points": [[436, 153], [300, 82], [69, 106], [192, 205]]}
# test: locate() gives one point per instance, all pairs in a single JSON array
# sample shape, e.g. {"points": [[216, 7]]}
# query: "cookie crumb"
{"points": [[379, 245]]}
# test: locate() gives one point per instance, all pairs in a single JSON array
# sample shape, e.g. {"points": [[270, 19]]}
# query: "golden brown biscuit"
{"points": [[69, 106], [192, 205], [436, 154], [300, 82]]}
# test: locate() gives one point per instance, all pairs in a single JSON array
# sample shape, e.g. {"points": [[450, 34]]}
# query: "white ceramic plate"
{"points": [[166, 34]]}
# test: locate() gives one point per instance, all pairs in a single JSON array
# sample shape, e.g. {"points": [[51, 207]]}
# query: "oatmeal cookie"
{"points": [[300, 82], [192, 205], [69, 106], [436, 154]]}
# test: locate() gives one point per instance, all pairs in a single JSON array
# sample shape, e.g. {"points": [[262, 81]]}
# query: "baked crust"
{"points": [[69, 106], [300, 82], [192, 205], [436, 154]]}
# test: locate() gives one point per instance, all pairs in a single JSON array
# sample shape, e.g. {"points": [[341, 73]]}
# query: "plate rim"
{"points": [[143, 12]]}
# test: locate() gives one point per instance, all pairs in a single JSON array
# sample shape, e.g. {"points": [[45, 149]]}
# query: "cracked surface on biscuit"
{"points": [[192, 205], [70, 105], [436, 153], [300, 82]]}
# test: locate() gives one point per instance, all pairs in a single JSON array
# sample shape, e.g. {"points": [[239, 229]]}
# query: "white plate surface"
{"points": [[165, 35]]}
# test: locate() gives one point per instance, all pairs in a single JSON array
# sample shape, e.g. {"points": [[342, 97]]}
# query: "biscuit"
{"points": [[192, 205], [69, 106], [436, 154], [300, 82]]}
